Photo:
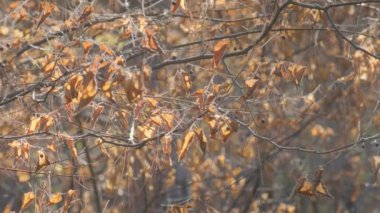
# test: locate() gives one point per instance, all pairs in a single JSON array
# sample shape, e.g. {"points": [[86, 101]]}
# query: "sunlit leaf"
{"points": [[305, 187], [168, 118], [219, 49], [42, 161], [86, 47], [46, 8], [27, 200], [55, 198], [186, 142]]}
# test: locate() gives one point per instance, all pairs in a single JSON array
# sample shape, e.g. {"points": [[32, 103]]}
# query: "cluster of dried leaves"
{"points": [[222, 105]]}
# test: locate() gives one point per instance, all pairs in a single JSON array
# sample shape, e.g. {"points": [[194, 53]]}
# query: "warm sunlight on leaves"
{"points": [[27, 200], [55, 198]]}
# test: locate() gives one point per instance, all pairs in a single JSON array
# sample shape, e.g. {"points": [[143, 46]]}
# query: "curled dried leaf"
{"points": [[27, 199], [219, 49], [187, 141], [55, 198], [42, 160]]}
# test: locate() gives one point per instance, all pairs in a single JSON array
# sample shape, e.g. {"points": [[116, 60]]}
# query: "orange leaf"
{"points": [[42, 160], [219, 49], [27, 199], [86, 47], [151, 41], [187, 141], [55, 198], [86, 12], [175, 5]]}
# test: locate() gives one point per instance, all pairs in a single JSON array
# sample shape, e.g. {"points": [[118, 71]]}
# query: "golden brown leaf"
{"points": [[152, 102], [305, 187], [322, 190], [219, 49], [187, 141], [226, 129], [46, 9], [55, 198], [42, 160], [213, 124], [23, 176], [27, 199], [286, 208], [168, 118], [87, 91], [72, 88], [86, 47]]}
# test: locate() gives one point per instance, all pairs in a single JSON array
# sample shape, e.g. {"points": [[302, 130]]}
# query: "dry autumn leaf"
{"points": [[42, 161], [38, 124], [186, 142], [86, 47], [46, 8], [27, 199], [312, 188], [55, 198], [87, 91], [88, 9], [218, 51]]}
